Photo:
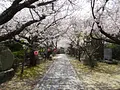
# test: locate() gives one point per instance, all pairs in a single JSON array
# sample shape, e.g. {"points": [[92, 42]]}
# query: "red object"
{"points": [[48, 50], [55, 50], [36, 53]]}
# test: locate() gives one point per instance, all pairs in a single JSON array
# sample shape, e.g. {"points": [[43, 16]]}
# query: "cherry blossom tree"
{"points": [[106, 20], [28, 13]]}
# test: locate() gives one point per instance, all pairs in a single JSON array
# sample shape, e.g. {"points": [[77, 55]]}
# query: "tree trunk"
{"points": [[23, 62], [33, 60], [79, 54]]}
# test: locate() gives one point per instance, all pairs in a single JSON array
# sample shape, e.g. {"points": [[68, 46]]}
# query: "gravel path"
{"points": [[60, 76]]}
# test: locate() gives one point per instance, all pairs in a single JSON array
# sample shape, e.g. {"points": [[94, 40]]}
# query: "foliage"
{"points": [[19, 54], [116, 52], [110, 45], [13, 46]]}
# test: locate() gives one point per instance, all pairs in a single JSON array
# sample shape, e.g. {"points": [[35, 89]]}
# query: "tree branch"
{"points": [[16, 32], [103, 39], [9, 13], [45, 3]]}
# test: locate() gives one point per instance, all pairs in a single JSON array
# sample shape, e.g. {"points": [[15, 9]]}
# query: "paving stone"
{"points": [[60, 76]]}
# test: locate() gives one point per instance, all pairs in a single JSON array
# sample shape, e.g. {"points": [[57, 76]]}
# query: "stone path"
{"points": [[60, 76]]}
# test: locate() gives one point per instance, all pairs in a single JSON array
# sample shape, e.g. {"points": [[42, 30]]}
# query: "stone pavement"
{"points": [[60, 76]]}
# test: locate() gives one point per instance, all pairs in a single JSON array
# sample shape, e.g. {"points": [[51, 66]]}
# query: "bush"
{"points": [[19, 54], [116, 52], [13, 46]]}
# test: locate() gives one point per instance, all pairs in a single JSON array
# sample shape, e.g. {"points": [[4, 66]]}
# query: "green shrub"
{"points": [[19, 54], [13, 46]]}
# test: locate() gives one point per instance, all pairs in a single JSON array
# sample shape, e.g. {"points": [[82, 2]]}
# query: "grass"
{"points": [[33, 72], [102, 77], [30, 77]]}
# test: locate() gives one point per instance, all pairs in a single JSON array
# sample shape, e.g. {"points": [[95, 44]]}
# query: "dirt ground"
{"points": [[102, 77]]}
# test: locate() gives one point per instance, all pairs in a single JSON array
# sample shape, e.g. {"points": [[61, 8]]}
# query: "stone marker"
{"points": [[6, 58], [107, 54]]}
